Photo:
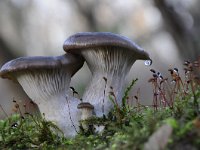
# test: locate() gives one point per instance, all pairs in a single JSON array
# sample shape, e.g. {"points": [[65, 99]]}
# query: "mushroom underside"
{"points": [[109, 67], [48, 89]]}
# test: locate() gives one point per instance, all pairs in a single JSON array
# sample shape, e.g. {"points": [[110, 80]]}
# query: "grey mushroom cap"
{"points": [[84, 40], [85, 105], [41, 62]]}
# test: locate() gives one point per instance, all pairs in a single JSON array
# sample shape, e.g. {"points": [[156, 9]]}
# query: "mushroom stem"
{"points": [[66, 118], [49, 92], [86, 113], [114, 67], [94, 93]]}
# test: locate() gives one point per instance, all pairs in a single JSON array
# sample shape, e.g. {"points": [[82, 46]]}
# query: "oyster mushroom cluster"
{"points": [[46, 80]]}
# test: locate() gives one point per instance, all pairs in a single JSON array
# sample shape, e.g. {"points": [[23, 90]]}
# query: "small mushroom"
{"points": [[86, 113], [86, 110], [109, 56], [46, 81]]}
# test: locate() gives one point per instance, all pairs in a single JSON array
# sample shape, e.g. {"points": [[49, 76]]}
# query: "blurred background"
{"points": [[168, 30]]}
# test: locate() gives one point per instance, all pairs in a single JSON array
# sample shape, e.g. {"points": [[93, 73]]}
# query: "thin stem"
{"points": [[196, 105], [18, 107], [70, 115], [104, 94]]}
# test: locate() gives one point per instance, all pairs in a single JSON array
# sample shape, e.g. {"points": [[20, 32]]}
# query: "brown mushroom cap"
{"points": [[41, 62], [84, 40], [85, 105]]}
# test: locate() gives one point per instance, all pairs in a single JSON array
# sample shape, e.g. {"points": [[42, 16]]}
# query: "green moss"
{"points": [[125, 128]]}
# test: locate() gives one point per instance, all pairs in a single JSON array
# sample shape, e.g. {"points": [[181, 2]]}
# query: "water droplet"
{"points": [[148, 62]]}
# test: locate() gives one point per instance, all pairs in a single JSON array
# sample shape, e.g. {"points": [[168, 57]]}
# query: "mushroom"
{"points": [[86, 112], [46, 81], [109, 56]]}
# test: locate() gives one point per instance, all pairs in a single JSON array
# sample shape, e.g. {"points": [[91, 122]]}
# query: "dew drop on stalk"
{"points": [[148, 62]]}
